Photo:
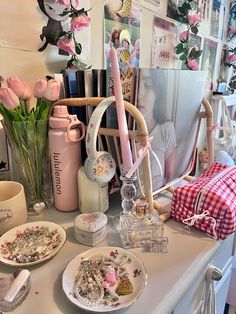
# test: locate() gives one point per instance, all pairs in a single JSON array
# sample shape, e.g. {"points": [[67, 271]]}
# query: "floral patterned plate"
{"points": [[88, 281], [31, 243]]}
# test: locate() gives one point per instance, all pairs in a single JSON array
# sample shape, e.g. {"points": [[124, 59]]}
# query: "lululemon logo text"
{"points": [[57, 171]]}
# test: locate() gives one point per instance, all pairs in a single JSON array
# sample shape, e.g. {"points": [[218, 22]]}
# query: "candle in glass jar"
{"points": [[120, 108]]}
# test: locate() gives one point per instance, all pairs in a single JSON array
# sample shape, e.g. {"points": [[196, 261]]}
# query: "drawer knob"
{"points": [[214, 273]]}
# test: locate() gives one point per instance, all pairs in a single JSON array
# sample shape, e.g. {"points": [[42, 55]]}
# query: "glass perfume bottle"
{"points": [[140, 227], [137, 225]]}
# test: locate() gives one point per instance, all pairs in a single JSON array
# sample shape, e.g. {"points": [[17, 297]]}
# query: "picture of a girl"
{"points": [[151, 103]]}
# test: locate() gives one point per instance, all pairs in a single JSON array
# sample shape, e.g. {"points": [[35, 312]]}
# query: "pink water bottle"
{"points": [[65, 134]]}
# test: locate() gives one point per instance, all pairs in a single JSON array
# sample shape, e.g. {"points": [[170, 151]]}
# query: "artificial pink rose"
{"points": [[21, 89], [66, 3], [75, 3], [232, 31], [40, 88], [194, 20], [231, 58], [52, 91], [192, 64], [8, 98], [66, 44], [79, 22], [184, 36]]}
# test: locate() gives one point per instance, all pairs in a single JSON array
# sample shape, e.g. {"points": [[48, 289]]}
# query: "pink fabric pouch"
{"points": [[208, 202]]}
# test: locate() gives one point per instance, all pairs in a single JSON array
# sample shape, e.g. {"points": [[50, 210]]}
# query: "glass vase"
{"points": [[30, 159], [128, 194]]}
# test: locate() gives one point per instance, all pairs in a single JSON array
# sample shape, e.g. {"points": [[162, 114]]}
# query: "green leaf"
{"points": [[179, 48], [80, 65], [186, 6], [183, 57], [78, 48], [182, 10], [184, 20]]}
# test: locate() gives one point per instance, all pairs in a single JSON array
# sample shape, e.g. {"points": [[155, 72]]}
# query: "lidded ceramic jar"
{"points": [[90, 229]]}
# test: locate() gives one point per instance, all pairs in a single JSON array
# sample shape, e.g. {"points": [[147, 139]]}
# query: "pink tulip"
{"points": [[192, 64], [184, 36], [194, 20], [9, 98], [27, 91], [21, 89], [40, 88], [79, 22], [231, 58], [66, 44], [52, 90]]}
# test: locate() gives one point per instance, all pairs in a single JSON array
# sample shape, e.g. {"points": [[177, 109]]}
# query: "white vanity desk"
{"points": [[171, 276]]}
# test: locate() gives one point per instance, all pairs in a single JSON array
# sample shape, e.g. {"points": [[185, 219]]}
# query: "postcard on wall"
{"points": [[123, 33], [166, 98], [36, 24], [157, 6], [172, 9], [217, 18], [208, 60], [232, 20], [58, 21], [204, 10], [163, 44], [223, 73], [201, 7]]}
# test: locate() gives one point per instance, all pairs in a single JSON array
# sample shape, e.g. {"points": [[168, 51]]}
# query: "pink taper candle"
{"points": [[120, 108]]}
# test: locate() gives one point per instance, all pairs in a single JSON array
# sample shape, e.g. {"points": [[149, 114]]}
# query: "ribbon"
{"points": [[215, 127], [141, 154], [191, 221]]}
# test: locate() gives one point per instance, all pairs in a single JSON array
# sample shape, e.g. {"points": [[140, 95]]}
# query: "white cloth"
{"points": [[163, 143]]}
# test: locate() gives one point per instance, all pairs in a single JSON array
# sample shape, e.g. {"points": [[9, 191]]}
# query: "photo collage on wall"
{"points": [[123, 33]]}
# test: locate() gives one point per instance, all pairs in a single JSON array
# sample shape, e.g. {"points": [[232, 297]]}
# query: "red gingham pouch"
{"points": [[209, 201]]}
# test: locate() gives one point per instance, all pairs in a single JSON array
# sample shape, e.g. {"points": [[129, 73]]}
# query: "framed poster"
{"points": [[123, 33], [163, 44], [172, 9], [208, 60], [223, 73], [170, 101], [232, 21], [157, 6], [217, 18]]}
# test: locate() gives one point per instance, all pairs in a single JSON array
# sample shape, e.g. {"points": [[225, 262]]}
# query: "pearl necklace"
{"points": [[91, 286]]}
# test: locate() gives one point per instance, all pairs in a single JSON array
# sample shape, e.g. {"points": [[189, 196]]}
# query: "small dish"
{"points": [[5, 285], [134, 268], [31, 243]]}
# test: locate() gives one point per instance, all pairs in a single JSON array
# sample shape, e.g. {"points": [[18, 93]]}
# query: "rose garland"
{"points": [[66, 40], [188, 54]]}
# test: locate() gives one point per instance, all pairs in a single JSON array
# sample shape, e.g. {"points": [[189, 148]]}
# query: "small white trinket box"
{"points": [[90, 229]]}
